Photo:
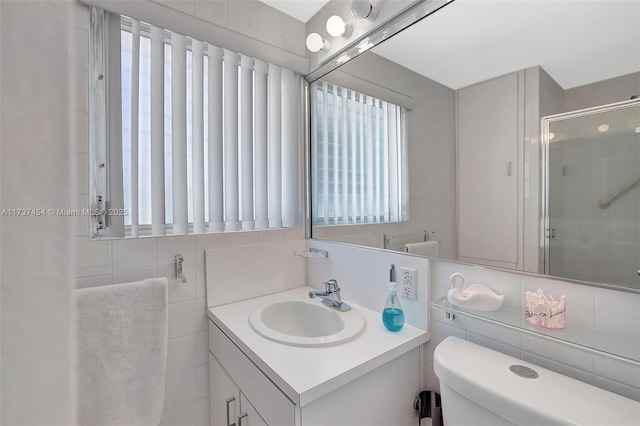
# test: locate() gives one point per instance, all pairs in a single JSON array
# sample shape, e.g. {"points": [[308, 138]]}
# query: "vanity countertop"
{"points": [[305, 374]]}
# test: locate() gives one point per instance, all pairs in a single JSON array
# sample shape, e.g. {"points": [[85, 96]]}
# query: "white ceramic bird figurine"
{"points": [[477, 297]]}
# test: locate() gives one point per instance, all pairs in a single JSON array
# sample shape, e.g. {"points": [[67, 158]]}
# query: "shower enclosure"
{"points": [[591, 159]]}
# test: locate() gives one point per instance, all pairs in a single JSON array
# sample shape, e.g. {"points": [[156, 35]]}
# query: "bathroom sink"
{"points": [[301, 323]]}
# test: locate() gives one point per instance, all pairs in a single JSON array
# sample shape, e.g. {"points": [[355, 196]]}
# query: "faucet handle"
{"points": [[331, 286]]}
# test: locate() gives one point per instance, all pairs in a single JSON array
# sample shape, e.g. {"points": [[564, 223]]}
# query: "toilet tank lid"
{"points": [[483, 376]]}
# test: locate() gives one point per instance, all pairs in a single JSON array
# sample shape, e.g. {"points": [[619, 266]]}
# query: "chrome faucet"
{"points": [[331, 296]]}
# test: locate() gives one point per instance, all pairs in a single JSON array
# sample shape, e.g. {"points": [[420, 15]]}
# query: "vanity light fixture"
{"points": [[336, 27], [316, 43], [603, 128], [363, 9]]}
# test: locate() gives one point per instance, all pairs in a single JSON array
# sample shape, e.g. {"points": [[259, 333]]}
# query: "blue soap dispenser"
{"points": [[392, 315]]}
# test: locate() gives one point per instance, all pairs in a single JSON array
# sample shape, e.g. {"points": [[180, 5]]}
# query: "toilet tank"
{"points": [[478, 387]]}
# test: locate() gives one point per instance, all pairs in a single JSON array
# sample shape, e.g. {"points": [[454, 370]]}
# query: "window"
{"points": [[359, 158], [188, 137]]}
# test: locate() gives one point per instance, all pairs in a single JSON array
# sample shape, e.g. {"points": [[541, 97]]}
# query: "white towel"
{"points": [[122, 353], [427, 248]]}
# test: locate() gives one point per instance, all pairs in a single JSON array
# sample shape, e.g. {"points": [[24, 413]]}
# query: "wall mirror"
{"points": [[433, 141]]}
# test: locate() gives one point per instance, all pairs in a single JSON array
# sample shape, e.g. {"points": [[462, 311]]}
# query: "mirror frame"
{"points": [[412, 15]]}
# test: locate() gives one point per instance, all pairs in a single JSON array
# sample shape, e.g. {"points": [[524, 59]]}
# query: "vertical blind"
{"points": [[359, 152], [209, 136]]}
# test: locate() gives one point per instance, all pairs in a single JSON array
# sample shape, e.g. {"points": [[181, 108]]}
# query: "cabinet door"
{"points": [[488, 136], [248, 415], [224, 396]]}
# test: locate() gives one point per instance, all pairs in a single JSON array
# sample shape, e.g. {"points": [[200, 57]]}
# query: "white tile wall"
{"points": [[615, 313], [363, 274]]}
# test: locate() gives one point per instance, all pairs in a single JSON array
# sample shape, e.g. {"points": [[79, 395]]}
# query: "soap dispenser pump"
{"points": [[392, 315]]}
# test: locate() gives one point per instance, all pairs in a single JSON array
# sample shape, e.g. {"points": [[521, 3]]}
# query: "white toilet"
{"points": [[478, 387]]}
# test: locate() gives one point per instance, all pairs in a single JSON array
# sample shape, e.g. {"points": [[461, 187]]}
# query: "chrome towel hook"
{"points": [[178, 265]]}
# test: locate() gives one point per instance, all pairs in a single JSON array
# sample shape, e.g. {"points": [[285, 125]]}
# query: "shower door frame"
{"points": [[544, 157]]}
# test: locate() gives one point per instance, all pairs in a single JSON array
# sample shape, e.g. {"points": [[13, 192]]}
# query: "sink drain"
{"points": [[523, 371]]}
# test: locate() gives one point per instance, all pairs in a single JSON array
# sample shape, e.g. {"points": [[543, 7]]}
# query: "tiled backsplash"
{"points": [[607, 311]]}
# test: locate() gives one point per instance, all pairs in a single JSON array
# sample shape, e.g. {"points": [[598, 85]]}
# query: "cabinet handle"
{"points": [[242, 416], [509, 169], [229, 401]]}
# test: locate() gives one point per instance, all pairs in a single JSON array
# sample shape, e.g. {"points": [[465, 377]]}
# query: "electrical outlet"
{"points": [[409, 283]]}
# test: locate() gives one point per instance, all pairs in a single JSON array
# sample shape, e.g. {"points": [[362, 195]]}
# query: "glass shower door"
{"points": [[593, 194]]}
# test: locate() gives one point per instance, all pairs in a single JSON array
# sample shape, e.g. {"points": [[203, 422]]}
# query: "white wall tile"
{"points": [[83, 173], [618, 370], [616, 387], [271, 236], [202, 321], [132, 277], [294, 234], [182, 318], [93, 257], [209, 241], [215, 11], [557, 351], [202, 381], [82, 222], [202, 412], [181, 353], [82, 49], [617, 326], [244, 238], [82, 134], [439, 332], [493, 344], [611, 302], [274, 268], [185, 6], [494, 332], [243, 17], [81, 15], [202, 347], [134, 255], [93, 281], [168, 247], [180, 389], [82, 91], [270, 24], [201, 282], [180, 416]]}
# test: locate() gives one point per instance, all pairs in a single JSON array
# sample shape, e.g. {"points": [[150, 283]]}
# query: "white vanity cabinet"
{"points": [[241, 393], [233, 375], [228, 406]]}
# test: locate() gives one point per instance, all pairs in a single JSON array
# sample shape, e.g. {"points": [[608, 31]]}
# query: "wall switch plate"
{"points": [[408, 283]]}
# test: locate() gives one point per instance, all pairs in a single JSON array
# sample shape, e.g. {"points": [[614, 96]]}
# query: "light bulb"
{"points": [[603, 128], [363, 9], [316, 43], [552, 136], [336, 27]]}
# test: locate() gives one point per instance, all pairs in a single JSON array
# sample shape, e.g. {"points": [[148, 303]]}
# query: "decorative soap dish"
{"points": [[477, 297]]}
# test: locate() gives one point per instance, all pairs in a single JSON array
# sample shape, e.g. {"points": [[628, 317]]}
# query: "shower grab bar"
{"points": [[604, 203]]}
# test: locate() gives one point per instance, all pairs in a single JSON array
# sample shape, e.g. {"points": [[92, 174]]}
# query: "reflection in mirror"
{"points": [[465, 158]]}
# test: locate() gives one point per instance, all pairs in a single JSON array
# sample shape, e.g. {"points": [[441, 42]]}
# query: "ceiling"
{"points": [[576, 41], [302, 10]]}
